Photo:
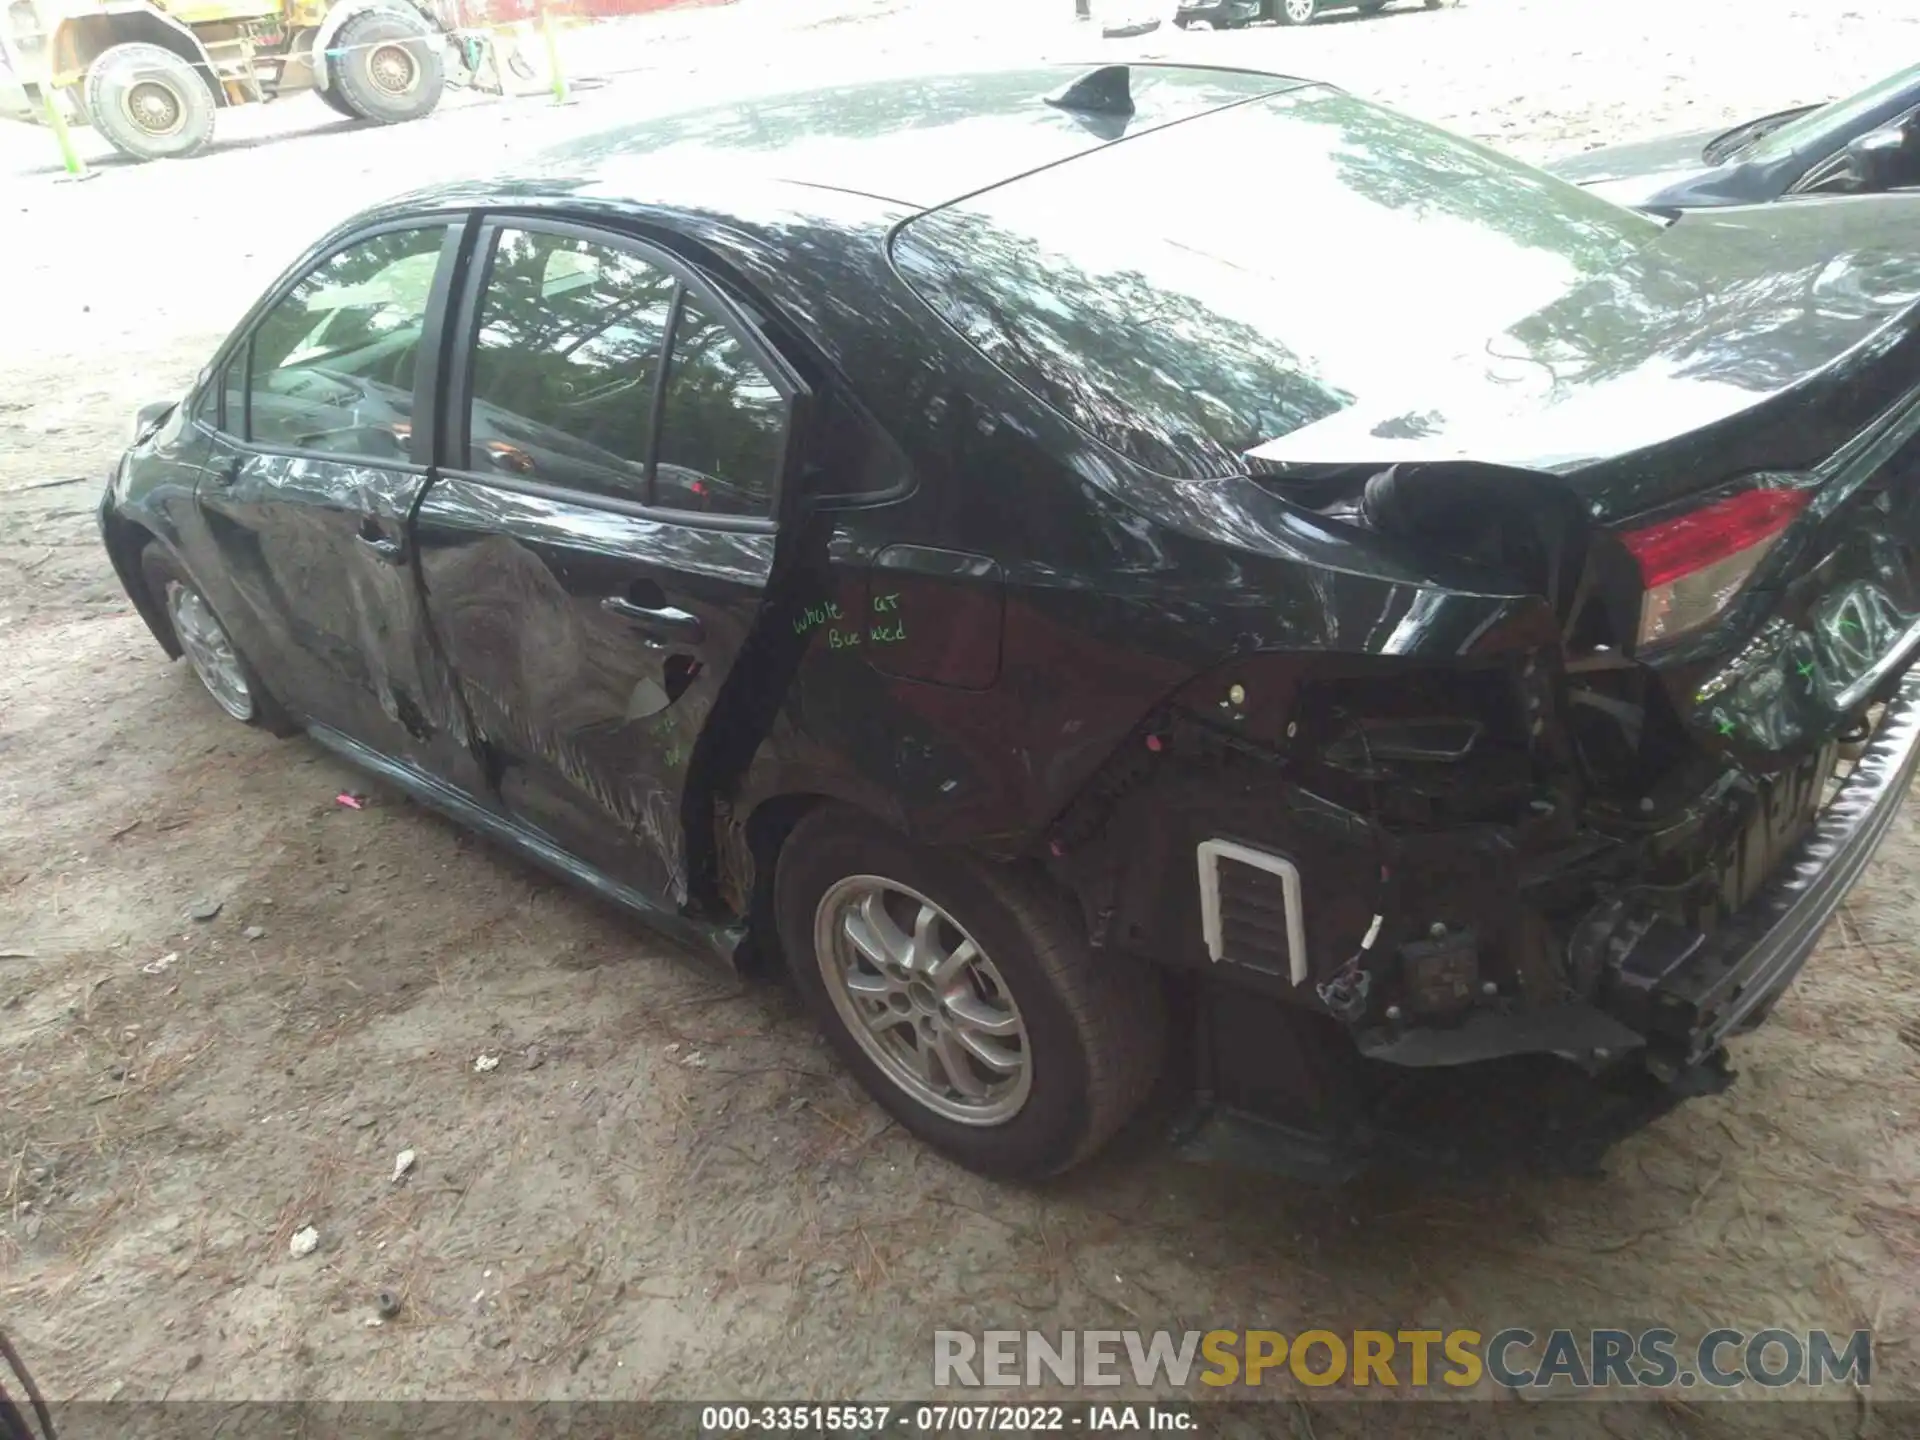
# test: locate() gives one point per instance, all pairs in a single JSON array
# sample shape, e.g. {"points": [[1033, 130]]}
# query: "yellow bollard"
{"points": [[57, 122], [553, 56]]}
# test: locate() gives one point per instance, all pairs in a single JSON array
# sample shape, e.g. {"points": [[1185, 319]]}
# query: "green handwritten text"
{"points": [[814, 616]]}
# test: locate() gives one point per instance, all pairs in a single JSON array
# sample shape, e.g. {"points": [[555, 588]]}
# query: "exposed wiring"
{"points": [[1346, 992]]}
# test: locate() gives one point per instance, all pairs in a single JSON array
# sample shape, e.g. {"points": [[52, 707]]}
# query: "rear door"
{"points": [[309, 484], [597, 545]]}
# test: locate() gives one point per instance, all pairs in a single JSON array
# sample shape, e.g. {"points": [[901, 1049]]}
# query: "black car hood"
{"points": [[1763, 333]]}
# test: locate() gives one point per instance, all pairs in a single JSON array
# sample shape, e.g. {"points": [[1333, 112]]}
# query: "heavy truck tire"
{"points": [[389, 68], [337, 102], [148, 102]]}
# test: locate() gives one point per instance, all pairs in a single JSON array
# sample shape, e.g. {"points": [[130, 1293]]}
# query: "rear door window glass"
{"points": [[566, 362], [723, 427]]}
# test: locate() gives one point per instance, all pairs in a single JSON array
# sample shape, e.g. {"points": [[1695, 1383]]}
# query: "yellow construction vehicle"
{"points": [[149, 74]]}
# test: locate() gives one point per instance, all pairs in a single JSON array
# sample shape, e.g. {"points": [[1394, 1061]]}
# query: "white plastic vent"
{"points": [[1250, 909]]}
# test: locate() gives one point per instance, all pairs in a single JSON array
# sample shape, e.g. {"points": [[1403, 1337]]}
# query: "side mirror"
{"points": [[149, 418], [1877, 158]]}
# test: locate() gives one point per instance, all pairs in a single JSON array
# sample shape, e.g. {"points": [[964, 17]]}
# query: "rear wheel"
{"points": [[1298, 12], [148, 102], [964, 996], [391, 67], [215, 660]]}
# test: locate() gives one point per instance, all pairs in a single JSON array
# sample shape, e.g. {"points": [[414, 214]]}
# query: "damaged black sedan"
{"points": [[942, 533]]}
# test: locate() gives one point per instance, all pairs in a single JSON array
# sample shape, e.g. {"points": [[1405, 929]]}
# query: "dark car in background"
{"points": [[1864, 144], [1233, 14], [929, 532]]}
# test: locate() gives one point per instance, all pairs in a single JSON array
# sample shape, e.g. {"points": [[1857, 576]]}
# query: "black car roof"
{"points": [[915, 142]]}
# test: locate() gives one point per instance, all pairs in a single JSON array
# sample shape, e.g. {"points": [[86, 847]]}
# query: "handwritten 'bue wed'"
{"points": [[880, 633]]}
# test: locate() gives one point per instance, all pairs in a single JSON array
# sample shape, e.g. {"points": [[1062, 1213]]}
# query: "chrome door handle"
{"points": [[665, 622]]}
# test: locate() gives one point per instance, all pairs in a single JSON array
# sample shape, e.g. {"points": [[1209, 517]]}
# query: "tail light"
{"points": [[1692, 565]]}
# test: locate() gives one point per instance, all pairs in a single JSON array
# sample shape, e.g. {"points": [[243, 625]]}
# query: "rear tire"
{"points": [[392, 69], [977, 1015], [223, 672], [148, 103], [1296, 12]]}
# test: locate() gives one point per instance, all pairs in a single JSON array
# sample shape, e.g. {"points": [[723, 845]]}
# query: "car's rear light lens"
{"points": [[1692, 565]]}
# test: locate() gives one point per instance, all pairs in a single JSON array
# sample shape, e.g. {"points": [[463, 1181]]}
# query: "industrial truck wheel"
{"points": [[391, 69], [337, 103], [148, 102]]}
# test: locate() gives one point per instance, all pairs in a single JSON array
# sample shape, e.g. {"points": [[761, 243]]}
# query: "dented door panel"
{"points": [[315, 550], [590, 646]]}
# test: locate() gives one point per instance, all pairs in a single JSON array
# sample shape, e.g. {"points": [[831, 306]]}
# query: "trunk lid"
{"points": [[1746, 339], [1782, 341]]}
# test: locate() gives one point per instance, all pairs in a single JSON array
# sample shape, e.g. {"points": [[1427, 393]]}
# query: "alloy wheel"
{"points": [[209, 651], [923, 1000], [1299, 12]]}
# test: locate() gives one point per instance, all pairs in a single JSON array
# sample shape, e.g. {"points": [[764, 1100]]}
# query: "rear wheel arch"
{"points": [[768, 825]]}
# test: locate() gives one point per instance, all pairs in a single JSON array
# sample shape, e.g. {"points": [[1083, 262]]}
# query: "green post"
{"points": [[553, 56], [76, 167]]}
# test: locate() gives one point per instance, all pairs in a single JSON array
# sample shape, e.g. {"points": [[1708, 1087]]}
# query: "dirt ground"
{"points": [[667, 1188]]}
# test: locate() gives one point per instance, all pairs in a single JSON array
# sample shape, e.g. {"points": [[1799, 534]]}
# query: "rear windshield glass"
{"points": [[1191, 292]]}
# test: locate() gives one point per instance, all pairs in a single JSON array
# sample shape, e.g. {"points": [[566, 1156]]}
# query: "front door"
{"points": [[596, 551], [308, 492]]}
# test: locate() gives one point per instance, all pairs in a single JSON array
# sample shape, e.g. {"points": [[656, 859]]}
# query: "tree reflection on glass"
{"points": [[723, 422], [1196, 290], [565, 362]]}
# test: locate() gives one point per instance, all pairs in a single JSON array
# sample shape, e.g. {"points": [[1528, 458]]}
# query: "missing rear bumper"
{"points": [[1678, 994], [1688, 993], [1648, 1033]]}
